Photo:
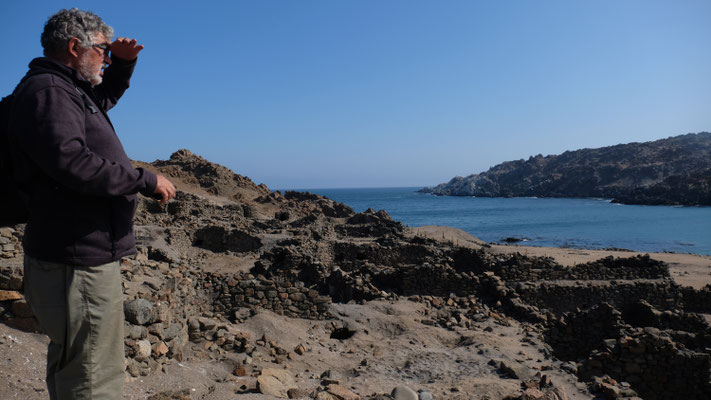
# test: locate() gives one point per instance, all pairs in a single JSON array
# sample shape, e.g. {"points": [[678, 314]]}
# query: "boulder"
{"points": [[404, 393], [275, 382], [138, 311]]}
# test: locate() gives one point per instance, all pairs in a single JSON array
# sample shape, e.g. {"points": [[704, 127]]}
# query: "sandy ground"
{"points": [[687, 269], [390, 347]]}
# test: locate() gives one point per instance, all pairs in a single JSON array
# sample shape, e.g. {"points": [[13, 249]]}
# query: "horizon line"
{"points": [[301, 189]]}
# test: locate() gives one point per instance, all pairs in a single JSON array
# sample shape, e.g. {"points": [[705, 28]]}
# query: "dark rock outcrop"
{"points": [[672, 171]]}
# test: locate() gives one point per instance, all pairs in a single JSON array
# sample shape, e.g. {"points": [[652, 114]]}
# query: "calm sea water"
{"points": [[577, 223]]}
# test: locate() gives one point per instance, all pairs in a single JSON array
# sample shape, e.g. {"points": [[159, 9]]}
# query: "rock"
{"points": [[207, 324], [242, 313], [172, 332], [298, 393], [193, 324], [156, 329], [9, 295], [532, 394], [560, 394], [241, 370], [21, 309], [24, 324], [143, 349], [325, 396], [612, 392], [138, 311], [403, 393], [133, 370], [341, 392], [162, 312], [570, 367], [300, 350], [425, 395], [275, 382], [515, 370], [137, 332], [175, 350], [160, 349], [16, 283]]}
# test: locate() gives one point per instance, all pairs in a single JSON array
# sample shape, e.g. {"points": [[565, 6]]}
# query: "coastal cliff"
{"points": [[672, 171]]}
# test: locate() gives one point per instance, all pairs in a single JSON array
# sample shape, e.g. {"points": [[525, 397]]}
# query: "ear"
{"points": [[73, 48]]}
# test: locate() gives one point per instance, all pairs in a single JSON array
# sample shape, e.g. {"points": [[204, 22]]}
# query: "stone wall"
{"points": [[560, 297], [641, 314], [517, 269], [653, 363], [697, 300], [245, 291], [426, 279], [574, 335], [10, 243], [349, 256]]}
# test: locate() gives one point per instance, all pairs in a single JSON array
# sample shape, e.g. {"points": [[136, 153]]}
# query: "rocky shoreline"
{"points": [[672, 171], [292, 295]]}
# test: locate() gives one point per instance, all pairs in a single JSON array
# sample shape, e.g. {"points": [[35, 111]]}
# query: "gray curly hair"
{"points": [[67, 24]]}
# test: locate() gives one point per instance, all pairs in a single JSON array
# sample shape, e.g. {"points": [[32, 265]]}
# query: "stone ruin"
{"points": [[621, 325]]}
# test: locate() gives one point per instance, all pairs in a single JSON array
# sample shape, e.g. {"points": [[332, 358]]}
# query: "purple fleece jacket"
{"points": [[80, 185]]}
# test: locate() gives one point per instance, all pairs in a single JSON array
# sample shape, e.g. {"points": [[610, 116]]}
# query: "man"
{"points": [[80, 190]]}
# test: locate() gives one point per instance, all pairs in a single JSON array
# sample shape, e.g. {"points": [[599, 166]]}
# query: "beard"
{"points": [[90, 71]]}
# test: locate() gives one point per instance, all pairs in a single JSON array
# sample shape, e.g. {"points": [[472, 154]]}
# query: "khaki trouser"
{"points": [[81, 310]]}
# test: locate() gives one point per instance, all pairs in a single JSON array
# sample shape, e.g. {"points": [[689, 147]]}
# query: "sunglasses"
{"points": [[104, 47]]}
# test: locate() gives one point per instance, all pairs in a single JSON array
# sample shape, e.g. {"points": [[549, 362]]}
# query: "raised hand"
{"points": [[125, 48]]}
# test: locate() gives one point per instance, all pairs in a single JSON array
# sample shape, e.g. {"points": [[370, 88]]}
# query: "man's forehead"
{"points": [[99, 38]]}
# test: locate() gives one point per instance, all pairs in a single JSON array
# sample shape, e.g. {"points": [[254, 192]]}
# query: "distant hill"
{"points": [[672, 171]]}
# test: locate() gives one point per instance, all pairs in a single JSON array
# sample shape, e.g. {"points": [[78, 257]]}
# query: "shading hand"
{"points": [[125, 48]]}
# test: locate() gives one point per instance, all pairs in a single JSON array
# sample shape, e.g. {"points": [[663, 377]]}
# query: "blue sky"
{"points": [[317, 94]]}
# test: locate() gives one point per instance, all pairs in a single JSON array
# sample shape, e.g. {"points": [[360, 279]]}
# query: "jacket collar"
{"points": [[44, 63]]}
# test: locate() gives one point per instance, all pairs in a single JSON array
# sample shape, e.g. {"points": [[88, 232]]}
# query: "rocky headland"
{"points": [[241, 292], [672, 171]]}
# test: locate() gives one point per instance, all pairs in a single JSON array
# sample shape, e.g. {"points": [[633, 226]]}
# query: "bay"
{"points": [[575, 223]]}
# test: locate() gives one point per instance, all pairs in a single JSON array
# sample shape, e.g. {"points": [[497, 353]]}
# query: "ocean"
{"points": [[574, 223]]}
